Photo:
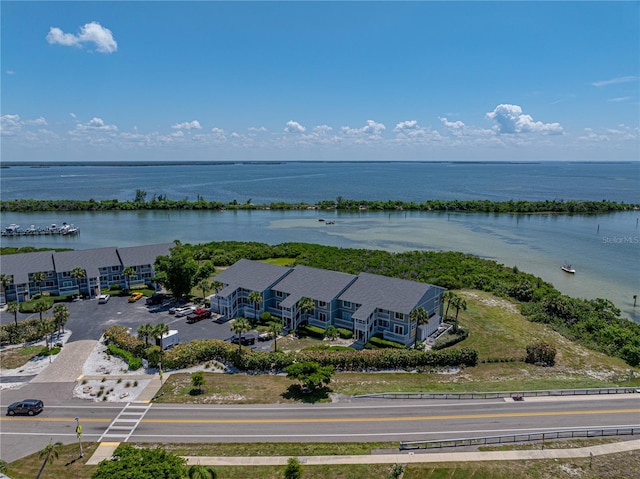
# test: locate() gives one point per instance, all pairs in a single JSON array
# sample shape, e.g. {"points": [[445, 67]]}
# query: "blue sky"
{"points": [[320, 80]]}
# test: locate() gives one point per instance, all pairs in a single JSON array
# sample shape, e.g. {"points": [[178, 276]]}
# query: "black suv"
{"points": [[26, 406]]}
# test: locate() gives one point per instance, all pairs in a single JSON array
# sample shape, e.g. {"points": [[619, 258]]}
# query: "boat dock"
{"points": [[63, 229]]}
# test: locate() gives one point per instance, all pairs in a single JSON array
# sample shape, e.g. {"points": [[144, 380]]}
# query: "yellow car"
{"points": [[135, 297]]}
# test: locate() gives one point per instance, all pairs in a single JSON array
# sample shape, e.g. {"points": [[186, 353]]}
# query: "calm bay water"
{"points": [[605, 249]]}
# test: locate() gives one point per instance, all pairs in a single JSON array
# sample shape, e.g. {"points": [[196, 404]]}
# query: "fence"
{"points": [[499, 394], [527, 437]]}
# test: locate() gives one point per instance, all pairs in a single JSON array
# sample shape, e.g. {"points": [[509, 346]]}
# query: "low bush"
{"points": [[345, 333], [313, 331], [49, 352], [377, 342], [450, 338], [134, 362], [541, 353]]}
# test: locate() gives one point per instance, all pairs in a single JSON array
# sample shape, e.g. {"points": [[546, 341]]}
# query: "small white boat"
{"points": [[567, 268]]}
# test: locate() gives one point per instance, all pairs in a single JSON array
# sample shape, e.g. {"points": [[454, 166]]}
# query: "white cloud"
{"points": [[187, 125], [510, 119], [619, 99], [294, 127], [92, 32], [95, 125], [257, 129], [372, 130], [406, 125], [613, 81]]}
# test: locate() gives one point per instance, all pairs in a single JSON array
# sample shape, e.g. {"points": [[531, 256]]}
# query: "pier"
{"points": [[64, 229]]}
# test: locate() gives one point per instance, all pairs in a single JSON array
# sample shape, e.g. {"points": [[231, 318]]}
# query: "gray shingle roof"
{"points": [[392, 294], [318, 284], [252, 275], [142, 255], [88, 259], [20, 265]]}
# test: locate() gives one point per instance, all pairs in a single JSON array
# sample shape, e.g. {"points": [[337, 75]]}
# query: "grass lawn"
{"points": [[15, 357], [69, 466]]}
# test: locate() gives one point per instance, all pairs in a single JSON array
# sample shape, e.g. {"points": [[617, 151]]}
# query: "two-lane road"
{"points": [[361, 421]]}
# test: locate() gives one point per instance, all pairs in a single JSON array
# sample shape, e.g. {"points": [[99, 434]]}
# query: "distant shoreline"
{"points": [[43, 164], [162, 203]]}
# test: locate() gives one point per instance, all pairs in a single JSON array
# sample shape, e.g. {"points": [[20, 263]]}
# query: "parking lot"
{"points": [[88, 319]]}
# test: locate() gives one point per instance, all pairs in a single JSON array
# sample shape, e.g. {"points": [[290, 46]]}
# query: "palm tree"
{"points": [[201, 472], [307, 306], [5, 281], [447, 297], [38, 278], [127, 273], [204, 285], [256, 298], [145, 331], [159, 330], [78, 273], [217, 285], [460, 304], [239, 326], [42, 306], [275, 329], [49, 453], [61, 314], [420, 316], [12, 308]]}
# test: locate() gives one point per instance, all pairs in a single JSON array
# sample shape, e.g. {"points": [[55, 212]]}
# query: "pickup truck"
{"points": [[198, 315]]}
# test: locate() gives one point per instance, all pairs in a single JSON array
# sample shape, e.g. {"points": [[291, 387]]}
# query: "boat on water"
{"points": [[567, 268]]}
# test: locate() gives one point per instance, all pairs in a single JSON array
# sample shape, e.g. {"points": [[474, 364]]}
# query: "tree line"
{"points": [[595, 323], [161, 202]]}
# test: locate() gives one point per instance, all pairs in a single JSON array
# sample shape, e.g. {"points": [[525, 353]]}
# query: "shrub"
{"points": [[331, 332], [133, 361], [313, 331], [450, 338], [541, 353], [345, 333], [378, 342]]}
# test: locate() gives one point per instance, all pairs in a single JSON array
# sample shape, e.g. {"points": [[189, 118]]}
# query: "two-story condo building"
{"points": [[102, 268], [367, 304]]}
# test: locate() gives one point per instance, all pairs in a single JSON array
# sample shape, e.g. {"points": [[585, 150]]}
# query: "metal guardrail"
{"points": [[499, 394], [526, 437]]}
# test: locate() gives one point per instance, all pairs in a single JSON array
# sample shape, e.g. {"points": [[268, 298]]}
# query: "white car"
{"points": [[184, 311], [103, 298]]}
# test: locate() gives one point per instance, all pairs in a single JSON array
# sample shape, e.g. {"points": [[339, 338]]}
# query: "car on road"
{"points": [[103, 298], [135, 297], [31, 407]]}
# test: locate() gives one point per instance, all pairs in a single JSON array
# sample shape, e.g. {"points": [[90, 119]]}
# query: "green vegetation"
{"points": [[147, 464], [69, 466], [161, 202], [595, 323]]}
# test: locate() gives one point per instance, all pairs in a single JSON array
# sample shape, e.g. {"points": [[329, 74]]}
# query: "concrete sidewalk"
{"points": [[105, 451]]}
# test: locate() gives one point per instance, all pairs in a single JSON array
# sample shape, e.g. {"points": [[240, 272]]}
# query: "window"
{"points": [[322, 317], [279, 294], [66, 274], [115, 278], [346, 304], [322, 304], [67, 284], [115, 268], [398, 329], [48, 284], [383, 323], [399, 316]]}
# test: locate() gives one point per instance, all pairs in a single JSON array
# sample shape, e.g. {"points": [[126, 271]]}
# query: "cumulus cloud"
{"points": [[406, 125], [613, 81], [187, 125], [93, 33], [372, 129], [257, 129], [95, 124], [294, 127], [511, 119]]}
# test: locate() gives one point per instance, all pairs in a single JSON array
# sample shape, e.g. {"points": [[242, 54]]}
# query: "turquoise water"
{"points": [[605, 249]]}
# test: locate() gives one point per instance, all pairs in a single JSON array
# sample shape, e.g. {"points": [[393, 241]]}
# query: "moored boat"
{"points": [[568, 268]]}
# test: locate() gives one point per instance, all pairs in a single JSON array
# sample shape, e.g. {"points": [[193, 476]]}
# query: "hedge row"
{"points": [[378, 342], [200, 351], [450, 338], [134, 362]]}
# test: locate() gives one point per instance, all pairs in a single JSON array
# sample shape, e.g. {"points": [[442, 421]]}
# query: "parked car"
{"points": [[103, 298], [156, 298], [247, 338], [198, 315], [135, 297], [184, 311], [30, 407], [264, 336]]}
